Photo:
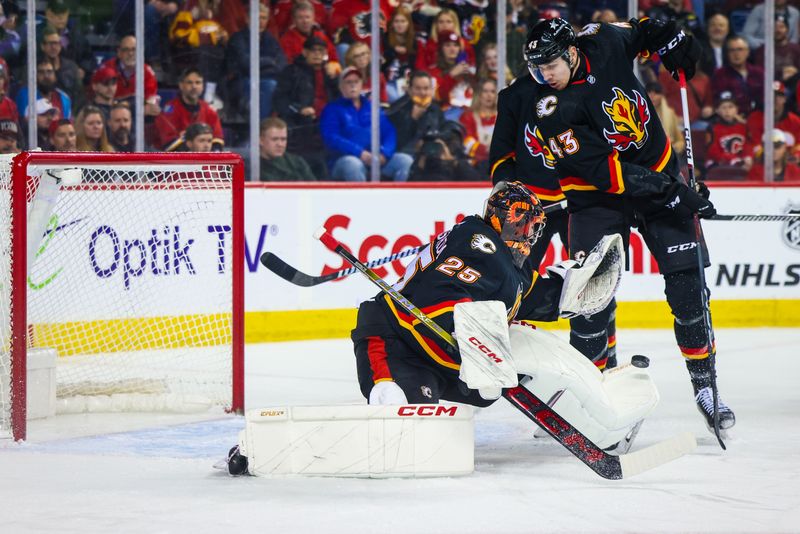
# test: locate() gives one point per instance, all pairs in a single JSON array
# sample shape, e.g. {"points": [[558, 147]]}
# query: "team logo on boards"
{"points": [[482, 243], [537, 147], [629, 117], [791, 229]]}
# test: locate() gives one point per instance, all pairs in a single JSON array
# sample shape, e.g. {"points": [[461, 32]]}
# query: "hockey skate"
{"points": [[704, 398]]}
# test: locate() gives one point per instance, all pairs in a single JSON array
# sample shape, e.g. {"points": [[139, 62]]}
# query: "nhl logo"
{"points": [[791, 229], [591, 79]]}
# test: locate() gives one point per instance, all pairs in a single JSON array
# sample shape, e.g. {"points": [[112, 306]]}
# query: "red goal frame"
{"points": [[18, 313]]}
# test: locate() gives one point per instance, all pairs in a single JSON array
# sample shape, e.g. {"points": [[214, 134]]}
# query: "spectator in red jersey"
{"points": [[726, 135], [744, 80], [304, 26], [787, 54], [198, 39], [186, 108], [445, 22], [785, 120], [104, 88], [125, 66], [454, 76], [62, 135], [479, 123], [358, 56], [783, 169], [282, 15], [9, 137], [8, 109], [351, 21]]}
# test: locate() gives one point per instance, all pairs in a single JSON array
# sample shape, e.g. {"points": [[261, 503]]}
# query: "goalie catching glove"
{"points": [[589, 285]]}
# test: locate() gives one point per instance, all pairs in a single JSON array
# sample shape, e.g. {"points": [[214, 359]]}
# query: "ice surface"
{"points": [[158, 478]]}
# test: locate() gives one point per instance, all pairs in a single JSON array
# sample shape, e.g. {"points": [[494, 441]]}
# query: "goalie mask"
{"points": [[546, 42], [516, 214]]}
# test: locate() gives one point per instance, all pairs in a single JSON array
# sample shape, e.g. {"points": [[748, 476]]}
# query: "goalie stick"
{"points": [[298, 278], [601, 462], [698, 234]]}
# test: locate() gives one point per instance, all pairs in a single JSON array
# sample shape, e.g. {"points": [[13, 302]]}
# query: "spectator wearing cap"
{"points": [[120, 124], [90, 131], [726, 136], [446, 21], [304, 88], [8, 109], [787, 53], [753, 29], [783, 169], [104, 88], [9, 137], [62, 135], [673, 126], [278, 165], [271, 62], [346, 131], [785, 121], [185, 109], [69, 76], [46, 114], [303, 26], [744, 80], [124, 64], [454, 74], [46, 88], [10, 40]]}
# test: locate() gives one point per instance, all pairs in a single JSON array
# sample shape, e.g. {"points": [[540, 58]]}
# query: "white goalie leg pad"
{"points": [[590, 285], [484, 346], [413, 440], [603, 406]]}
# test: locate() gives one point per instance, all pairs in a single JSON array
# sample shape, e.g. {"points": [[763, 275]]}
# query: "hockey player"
{"points": [[617, 169], [518, 153]]}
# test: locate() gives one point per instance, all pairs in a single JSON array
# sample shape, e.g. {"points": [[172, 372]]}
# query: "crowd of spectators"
{"points": [[437, 84]]}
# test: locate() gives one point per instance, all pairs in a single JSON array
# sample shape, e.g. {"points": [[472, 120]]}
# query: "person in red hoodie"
{"points": [[479, 122], [454, 76], [785, 121], [304, 26], [726, 135], [445, 22], [784, 170]]}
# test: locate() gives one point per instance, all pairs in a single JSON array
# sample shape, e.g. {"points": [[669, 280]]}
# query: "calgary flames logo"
{"points": [[537, 146], [629, 119]]}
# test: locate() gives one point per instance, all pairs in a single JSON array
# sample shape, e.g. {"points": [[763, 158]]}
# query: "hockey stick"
{"points": [[755, 218], [698, 234], [604, 464], [298, 278]]}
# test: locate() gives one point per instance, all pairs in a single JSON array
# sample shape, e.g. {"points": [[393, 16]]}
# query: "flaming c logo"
{"points": [[537, 146], [629, 117]]}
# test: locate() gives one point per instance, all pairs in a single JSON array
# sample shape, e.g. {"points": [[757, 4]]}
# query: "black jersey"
{"points": [[467, 263], [603, 131], [517, 152]]}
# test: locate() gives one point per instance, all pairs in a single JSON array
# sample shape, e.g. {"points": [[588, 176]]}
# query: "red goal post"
{"points": [[135, 281]]}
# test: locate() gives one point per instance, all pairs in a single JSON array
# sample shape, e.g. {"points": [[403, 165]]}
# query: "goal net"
{"points": [[128, 268]]}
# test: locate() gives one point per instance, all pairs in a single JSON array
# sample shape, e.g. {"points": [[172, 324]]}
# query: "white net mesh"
{"points": [[130, 281]]}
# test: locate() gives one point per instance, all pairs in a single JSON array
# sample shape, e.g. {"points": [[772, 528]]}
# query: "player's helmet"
{"points": [[517, 215], [547, 41]]}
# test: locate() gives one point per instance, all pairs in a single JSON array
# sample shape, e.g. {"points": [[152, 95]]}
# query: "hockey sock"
{"points": [[611, 335]]}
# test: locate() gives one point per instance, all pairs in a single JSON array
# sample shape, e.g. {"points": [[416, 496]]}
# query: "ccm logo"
{"points": [[427, 410], [681, 247], [486, 350]]}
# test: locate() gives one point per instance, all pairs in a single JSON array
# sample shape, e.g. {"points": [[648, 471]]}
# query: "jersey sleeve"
{"points": [[502, 151], [540, 303], [619, 37]]}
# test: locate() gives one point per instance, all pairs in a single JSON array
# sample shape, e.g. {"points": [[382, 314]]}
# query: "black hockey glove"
{"points": [[685, 202], [677, 49], [702, 189]]}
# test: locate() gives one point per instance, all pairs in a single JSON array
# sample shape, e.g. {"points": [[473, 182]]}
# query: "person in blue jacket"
{"points": [[345, 128]]}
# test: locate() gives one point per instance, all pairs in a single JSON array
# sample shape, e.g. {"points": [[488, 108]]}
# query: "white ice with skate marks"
{"points": [[161, 480]]}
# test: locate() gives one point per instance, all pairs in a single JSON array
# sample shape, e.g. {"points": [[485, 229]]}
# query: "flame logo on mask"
{"points": [[537, 146], [629, 117]]}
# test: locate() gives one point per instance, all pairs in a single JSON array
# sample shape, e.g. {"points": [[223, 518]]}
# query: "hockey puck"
{"points": [[640, 361]]}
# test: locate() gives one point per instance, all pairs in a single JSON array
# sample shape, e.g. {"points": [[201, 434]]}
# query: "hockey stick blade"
{"points": [[756, 218], [660, 453]]}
